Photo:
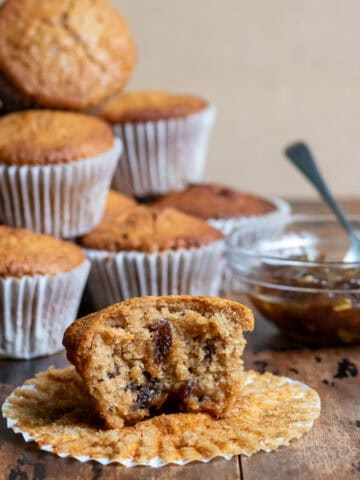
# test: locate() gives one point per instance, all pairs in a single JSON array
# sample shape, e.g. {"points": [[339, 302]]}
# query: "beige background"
{"points": [[277, 70]]}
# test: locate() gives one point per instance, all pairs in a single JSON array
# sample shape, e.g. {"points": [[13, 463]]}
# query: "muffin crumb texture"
{"points": [[161, 354], [56, 59], [213, 201], [145, 106], [26, 253], [42, 137], [150, 230]]}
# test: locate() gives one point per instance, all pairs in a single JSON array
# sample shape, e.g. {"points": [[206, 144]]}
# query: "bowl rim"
{"points": [[233, 250], [293, 288]]}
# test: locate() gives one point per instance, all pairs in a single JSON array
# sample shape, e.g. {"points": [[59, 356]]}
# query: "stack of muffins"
{"points": [[67, 133]]}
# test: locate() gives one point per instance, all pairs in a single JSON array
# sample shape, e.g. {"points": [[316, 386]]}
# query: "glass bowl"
{"points": [[298, 279]]}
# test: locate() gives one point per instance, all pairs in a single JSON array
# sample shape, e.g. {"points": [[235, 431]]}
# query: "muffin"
{"points": [[150, 251], [116, 204], [55, 170], [51, 57], [165, 140], [149, 354], [41, 282], [227, 208]]}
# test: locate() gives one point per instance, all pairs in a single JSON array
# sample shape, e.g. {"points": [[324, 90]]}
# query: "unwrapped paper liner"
{"points": [[271, 412], [64, 200], [118, 276], [163, 155], [35, 311]]}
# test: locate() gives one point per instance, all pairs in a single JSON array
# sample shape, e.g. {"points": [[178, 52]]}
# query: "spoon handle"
{"points": [[300, 155]]}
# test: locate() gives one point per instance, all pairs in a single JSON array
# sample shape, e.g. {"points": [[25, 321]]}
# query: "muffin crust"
{"points": [[56, 59], [147, 229], [117, 204], [26, 253], [216, 201], [42, 137], [143, 106]]}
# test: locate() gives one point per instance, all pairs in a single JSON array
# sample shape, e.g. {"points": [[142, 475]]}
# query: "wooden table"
{"points": [[330, 450]]}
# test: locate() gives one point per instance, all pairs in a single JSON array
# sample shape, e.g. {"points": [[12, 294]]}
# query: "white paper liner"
{"points": [[157, 462], [163, 155], [64, 200], [35, 311], [118, 276]]}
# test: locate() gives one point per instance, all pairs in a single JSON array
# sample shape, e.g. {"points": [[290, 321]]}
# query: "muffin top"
{"points": [[65, 54], [26, 253], [216, 201], [42, 137], [141, 106], [150, 229], [117, 203]]}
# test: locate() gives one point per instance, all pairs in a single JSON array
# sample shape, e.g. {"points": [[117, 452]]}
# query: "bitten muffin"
{"points": [[55, 170], [41, 280], [222, 206], [165, 137], [51, 57], [155, 354], [153, 251]]}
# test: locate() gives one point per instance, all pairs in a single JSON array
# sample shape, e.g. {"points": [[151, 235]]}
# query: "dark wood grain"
{"points": [[330, 450]]}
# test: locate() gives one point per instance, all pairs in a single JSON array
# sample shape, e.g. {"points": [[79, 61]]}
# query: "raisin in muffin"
{"points": [[148, 354], [225, 207], [51, 57], [165, 137], [55, 170], [153, 251], [41, 282]]}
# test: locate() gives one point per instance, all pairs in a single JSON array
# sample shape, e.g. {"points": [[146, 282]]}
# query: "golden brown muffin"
{"points": [[117, 204], [139, 106], [147, 229], [205, 200], [26, 253], [148, 354], [42, 137], [65, 54]]}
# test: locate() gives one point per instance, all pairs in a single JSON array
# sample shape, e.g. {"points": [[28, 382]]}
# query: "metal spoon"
{"points": [[300, 155]]}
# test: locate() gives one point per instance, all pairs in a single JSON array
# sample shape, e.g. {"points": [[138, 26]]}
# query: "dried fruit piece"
{"points": [[114, 373], [188, 389], [209, 350], [161, 340]]}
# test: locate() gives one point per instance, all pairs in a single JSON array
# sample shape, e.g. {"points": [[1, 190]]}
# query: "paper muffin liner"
{"points": [[268, 225], [163, 155], [35, 311], [118, 276], [270, 413], [64, 200]]}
